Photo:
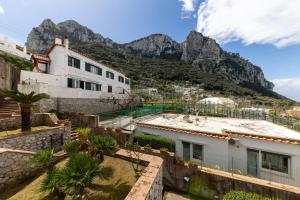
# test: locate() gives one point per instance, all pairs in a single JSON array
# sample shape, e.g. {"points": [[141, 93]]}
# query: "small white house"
{"points": [[9, 46], [254, 147], [66, 73]]}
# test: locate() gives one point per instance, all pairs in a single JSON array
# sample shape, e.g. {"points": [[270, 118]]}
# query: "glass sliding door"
{"points": [[186, 151]]}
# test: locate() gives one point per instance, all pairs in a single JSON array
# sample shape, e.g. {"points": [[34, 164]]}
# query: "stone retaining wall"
{"points": [[38, 119], [38, 140], [149, 185], [14, 167]]}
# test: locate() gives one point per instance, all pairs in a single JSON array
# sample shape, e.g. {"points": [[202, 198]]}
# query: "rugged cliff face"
{"points": [[41, 37], [197, 51]]}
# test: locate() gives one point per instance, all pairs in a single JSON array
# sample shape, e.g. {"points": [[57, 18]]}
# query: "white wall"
{"points": [[10, 47], [218, 152], [59, 66]]}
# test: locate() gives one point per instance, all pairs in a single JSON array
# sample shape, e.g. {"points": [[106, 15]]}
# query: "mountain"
{"points": [[41, 37], [157, 59]]}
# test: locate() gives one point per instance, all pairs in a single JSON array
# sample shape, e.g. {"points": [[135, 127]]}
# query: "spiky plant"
{"points": [[26, 101], [44, 158], [73, 147], [78, 174], [104, 143]]}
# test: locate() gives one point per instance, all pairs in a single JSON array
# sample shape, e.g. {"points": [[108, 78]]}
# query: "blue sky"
{"points": [[264, 35]]}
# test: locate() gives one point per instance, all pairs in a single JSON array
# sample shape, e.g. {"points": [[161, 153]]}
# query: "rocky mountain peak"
{"points": [[197, 46], [158, 45], [42, 37]]}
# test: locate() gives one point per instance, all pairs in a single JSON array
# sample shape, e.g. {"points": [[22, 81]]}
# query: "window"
{"points": [[98, 87], [127, 81], [121, 79], [197, 152], [110, 75], [42, 67], [186, 151], [72, 83], [275, 162], [81, 84], [109, 89], [93, 69], [73, 62], [88, 86]]}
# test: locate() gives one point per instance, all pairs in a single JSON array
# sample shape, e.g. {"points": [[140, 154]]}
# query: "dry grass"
{"points": [[118, 180], [18, 131]]}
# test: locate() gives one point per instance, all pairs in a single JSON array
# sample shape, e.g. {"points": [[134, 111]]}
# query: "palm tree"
{"points": [[25, 101]]}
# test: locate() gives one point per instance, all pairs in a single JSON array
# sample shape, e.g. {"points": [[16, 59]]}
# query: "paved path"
{"points": [[174, 196]]}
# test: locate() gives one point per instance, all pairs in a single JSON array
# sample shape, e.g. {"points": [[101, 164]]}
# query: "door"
{"points": [[252, 162], [186, 151]]}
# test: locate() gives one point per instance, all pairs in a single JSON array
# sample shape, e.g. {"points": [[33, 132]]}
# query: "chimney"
{"points": [[57, 41], [66, 43]]}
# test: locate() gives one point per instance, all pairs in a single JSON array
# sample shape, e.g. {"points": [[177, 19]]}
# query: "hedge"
{"points": [[155, 141], [242, 195]]}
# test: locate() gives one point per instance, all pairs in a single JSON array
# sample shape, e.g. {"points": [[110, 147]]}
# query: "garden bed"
{"points": [[118, 179], [4, 134]]}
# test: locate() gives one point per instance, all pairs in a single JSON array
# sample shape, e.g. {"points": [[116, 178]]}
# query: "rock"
{"points": [[157, 45]]}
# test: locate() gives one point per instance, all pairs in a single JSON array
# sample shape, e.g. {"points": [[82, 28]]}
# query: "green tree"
{"points": [[25, 101]]}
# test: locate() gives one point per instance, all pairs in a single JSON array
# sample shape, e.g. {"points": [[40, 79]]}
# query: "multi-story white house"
{"points": [[254, 147], [67, 74]]}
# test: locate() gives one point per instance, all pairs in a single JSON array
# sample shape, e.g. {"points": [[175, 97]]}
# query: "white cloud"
{"points": [[1, 10], [188, 7], [251, 21], [289, 87]]}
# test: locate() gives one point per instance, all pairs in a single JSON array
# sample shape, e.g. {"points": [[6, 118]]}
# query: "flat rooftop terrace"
{"points": [[218, 125]]}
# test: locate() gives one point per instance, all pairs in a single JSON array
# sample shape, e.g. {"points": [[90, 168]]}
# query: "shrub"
{"points": [[43, 158], [83, 132], [20, 63], [296, 127], [155, 141], [73, 147], [242, 195], [105, 143], [78, 174], [198, 188]]}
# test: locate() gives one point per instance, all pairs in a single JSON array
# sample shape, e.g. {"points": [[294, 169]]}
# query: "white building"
{"points": [[218, 101], [255, 147], [8, 46], [65, 73]]}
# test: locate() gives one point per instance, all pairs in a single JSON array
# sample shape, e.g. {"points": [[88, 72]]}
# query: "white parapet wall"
{"points": [[10, 47]]}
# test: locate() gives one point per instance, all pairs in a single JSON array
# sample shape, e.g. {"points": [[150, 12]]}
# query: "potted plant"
{"points": [[164, 151], [147, 148]]}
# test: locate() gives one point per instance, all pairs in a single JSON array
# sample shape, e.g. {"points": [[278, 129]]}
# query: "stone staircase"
{"points": [[8, 106], [74, 135]]}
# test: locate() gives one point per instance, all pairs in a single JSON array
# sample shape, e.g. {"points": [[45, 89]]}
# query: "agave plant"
{"points": [[26, 101]]}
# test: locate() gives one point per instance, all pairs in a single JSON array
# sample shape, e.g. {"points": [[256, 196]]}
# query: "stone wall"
{"points": [[38, 140], [88, 106], [39, 119], [14, 167], [9, 76], [81, 120], [150, 184]]}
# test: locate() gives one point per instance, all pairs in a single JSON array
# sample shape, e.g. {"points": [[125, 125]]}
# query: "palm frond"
{"points": [[23, 97]]}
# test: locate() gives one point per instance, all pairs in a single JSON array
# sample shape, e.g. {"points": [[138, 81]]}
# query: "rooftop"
{"points": [[222, 126]]}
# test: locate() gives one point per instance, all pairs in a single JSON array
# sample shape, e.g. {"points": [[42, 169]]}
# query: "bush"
{"points": [[104, 143], [73, 147], [199, 189], [155, 141], [296, 127], [242, 195], [20, 63], [83, 132], [43, 158]]}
